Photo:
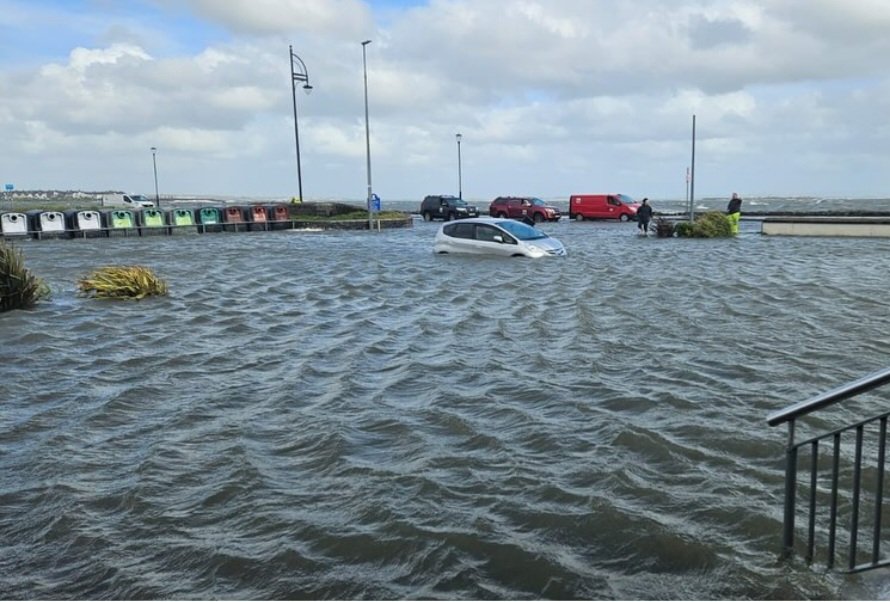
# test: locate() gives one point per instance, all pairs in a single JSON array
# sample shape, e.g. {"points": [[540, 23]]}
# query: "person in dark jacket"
{"points": [[734, 211], [644, 216]]}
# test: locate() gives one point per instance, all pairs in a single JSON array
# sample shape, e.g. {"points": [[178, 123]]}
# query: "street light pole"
{"points": [[367, 129], [298, 76], [460, 190], [154, 162]]}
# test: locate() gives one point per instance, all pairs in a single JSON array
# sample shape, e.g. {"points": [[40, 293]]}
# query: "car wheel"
{"points": [[624, 217], [449, 217], [502, 215], [427, 216], [579, 217], [538, 218]]}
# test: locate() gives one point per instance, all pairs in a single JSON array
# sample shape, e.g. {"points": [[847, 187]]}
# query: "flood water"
{"points": [[347, 415]]}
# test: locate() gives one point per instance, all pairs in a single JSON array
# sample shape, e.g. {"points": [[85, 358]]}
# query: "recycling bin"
{"points": [[13, 224], [257, 218], [209, 219], [279, 217], [85, 223], [181, 217], [233, 218], [120, 222], [47, 224]]}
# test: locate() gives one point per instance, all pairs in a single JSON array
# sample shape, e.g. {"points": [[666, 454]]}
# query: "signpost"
{"points": [[375, 208], [8, 188]]}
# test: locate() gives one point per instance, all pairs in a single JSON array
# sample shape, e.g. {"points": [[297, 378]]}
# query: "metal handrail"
{"points": [[866, 383], [790, 415]]}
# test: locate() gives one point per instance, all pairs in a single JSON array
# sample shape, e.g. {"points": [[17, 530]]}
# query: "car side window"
{"points": [[613, 201], [460, 230], [486, 233]]}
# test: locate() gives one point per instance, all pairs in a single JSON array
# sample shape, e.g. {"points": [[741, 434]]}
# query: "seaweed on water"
{"points": [[122, 282], [711, 224]]}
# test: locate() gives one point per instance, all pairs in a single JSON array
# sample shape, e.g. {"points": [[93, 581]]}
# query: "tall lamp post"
{"points": [[154, 162], [298, 73], [367, 129], [460, 191]]}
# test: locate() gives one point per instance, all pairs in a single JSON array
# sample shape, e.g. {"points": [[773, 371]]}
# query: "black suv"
{"points": [[446, 207]]}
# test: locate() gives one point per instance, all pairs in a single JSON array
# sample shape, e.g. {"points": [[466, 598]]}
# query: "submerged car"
{"points": [[495, 236]]}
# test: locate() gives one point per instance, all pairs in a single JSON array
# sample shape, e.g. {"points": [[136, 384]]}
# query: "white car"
{"points": [[495, 236]]}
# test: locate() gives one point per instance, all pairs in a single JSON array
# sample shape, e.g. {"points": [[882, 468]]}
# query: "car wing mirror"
{"points": [[497, 238]]}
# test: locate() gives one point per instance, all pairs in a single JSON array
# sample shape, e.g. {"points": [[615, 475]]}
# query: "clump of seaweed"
{"points": [[122, 282], [19, 288], [711, 224]]}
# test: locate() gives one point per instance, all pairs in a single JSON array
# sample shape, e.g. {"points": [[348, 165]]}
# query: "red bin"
{"points": [[257, 217], [279, 216], [233, 217]]}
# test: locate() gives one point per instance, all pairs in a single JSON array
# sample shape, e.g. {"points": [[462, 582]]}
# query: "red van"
{"points": [[602, 206]]}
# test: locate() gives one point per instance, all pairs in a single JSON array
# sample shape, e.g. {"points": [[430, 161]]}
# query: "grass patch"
{"points": [[122, 282], [19, 288]]}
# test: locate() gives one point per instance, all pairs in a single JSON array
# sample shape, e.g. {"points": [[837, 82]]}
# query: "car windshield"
{"points": [[139, 198], [522, 231], [626, 199], [539, 203], [459, 202]]}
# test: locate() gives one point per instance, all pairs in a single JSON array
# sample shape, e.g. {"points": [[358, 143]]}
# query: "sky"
{"points": [[551, 97]]}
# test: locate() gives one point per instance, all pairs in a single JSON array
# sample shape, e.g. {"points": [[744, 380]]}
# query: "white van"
{"points": [[136, 201]]}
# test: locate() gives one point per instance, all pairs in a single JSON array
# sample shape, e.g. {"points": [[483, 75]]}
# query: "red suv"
{"points": [[519, 207]]}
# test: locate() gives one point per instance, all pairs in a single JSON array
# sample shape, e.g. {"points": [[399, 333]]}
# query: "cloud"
{"points": [[335, 18], [551, 96]]}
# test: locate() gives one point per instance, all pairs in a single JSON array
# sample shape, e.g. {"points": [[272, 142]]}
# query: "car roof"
{"points": [[480, 220]]}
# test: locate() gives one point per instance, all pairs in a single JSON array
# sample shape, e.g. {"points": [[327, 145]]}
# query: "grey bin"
{"points": [[13, 224], [48, 224], [85, 224]]}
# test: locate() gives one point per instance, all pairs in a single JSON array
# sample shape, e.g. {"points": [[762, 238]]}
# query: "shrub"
{"points": [[711, 224], [122, 282], [19, 289]]}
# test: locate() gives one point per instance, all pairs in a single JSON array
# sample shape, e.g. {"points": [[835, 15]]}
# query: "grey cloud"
{"points": [[705, 33]]}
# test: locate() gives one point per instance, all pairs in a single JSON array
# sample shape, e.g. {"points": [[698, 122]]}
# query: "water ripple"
{"points": [[346, 415]]}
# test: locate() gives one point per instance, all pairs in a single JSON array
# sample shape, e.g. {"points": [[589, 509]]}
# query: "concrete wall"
{"points": [[813, 226]]}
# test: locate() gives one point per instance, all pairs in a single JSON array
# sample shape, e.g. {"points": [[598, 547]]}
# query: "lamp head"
{"points": [[458, 137], [307, 88]]}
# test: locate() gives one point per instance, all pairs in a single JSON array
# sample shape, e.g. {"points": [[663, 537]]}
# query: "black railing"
{"points": [[843, 469]]}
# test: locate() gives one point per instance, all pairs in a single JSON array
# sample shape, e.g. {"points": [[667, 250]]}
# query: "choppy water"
{"points": [[347, 415]]}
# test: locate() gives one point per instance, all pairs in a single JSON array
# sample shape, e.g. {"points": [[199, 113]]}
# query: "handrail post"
{"points": [[790, 493]]}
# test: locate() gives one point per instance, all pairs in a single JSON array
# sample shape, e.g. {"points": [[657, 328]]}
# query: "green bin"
{"points": [[120, 219], [153, 218], [209, 219], [182, 217]]}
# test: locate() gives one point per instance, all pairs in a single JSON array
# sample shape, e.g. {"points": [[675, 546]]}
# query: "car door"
{"points": [[486, 242]]}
